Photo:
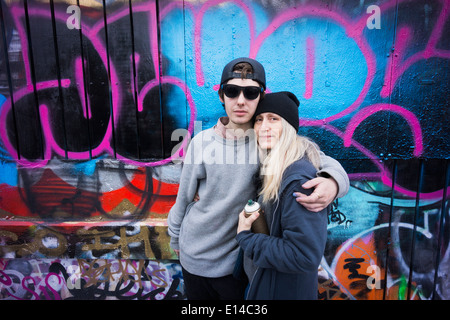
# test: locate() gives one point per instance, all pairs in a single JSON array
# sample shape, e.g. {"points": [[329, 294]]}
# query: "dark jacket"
{"points": [[288, 259]]}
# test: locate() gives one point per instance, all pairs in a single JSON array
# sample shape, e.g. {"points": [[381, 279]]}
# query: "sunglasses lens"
{"points": [[251, 93], [231, 91]]}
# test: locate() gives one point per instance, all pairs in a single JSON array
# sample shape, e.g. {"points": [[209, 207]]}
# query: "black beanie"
{"points": [[284, 104]]}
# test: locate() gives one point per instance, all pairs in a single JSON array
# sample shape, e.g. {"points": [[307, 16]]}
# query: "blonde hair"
{"points": [[290, 148]]}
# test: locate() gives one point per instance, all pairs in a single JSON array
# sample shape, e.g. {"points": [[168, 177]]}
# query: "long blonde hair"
{"points": [[290, 148]]}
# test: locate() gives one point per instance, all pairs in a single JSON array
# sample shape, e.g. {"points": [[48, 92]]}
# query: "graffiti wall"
{"points": [[99, 97]]}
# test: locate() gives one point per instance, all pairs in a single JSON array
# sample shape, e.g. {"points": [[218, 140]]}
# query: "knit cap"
{"points": [[283, 103]]}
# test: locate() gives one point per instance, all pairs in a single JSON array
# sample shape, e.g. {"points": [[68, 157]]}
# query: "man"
{"points": [[220, 166]]}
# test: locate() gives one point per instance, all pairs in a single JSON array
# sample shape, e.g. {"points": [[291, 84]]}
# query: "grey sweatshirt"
{"points": [[222, 172]]}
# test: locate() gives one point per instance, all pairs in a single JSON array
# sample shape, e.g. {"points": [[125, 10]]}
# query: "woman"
{"points": [[287, 260]]}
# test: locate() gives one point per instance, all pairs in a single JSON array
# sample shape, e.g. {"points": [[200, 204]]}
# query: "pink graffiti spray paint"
{"points": [[309, 72]]}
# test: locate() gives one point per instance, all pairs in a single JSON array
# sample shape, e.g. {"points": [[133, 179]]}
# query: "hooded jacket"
{"points": [[289, 257]]}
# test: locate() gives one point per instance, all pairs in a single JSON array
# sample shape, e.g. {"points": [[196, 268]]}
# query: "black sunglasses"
{"points": [[250, 92]]}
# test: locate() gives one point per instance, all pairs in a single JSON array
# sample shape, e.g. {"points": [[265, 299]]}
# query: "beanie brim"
{"points": [[284, 103]]}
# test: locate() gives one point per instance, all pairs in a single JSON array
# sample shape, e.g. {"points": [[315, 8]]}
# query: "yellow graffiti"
{"points": [[37, 244], [109, 271]]}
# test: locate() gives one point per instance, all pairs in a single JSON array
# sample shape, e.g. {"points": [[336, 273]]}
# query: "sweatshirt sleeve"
{"points": [[193, 171], [301, 245], [332, 168]]}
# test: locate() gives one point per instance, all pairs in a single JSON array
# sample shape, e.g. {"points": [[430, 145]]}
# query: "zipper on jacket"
{"points": [[272, 282], [257, 268]]}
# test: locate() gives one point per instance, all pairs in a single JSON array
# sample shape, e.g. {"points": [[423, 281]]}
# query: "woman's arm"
{"points": [[301, 245]]}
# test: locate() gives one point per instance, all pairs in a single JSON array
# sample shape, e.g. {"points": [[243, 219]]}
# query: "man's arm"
{"points": [[193, 171], [332, 182]]}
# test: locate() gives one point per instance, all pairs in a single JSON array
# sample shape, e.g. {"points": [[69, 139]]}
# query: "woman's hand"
{"points": [[246, 223]]}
